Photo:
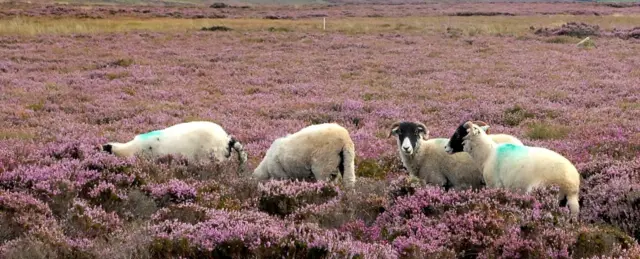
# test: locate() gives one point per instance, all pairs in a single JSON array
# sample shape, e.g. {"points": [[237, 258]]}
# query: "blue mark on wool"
{"points": [[509, 152], [151, 134]]}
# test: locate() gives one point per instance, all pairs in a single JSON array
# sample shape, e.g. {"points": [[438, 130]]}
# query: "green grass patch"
{"points": [[543, 131]]}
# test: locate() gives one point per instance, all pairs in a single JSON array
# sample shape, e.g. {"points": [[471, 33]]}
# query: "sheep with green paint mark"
{"points": [[426, 159], [196, 140], [520, 168]]}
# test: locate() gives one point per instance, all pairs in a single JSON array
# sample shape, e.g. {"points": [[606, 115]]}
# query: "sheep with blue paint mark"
{"points": [[318, 152], [196, 140], [519, 168], [426, 159]]}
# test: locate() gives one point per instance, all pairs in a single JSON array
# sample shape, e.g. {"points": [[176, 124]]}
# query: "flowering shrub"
{"points": [[285, 197], [21, 214], [175, 191], [90, 221], [187, 213], [241, 193], [405, 185], [612, 194], [363, 204], [248, 234], [487, 223]]}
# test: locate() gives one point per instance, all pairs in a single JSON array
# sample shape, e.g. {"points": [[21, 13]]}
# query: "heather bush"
{"points": [[612, 194], [488, 223], [231, 193], [255, 234], [285, 197], [515, 115], [188, 213], [597, 241], [403, 186], [363, 204], [216, 28], [22, 214], [572, 29], [173, 191], [90, 221]]}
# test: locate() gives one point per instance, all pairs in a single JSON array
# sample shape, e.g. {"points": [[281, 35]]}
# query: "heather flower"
{"points": [[185, 212], [488, 223], [285, 197], [256, 233], [22, 213], [174, 190], [91, 221]]}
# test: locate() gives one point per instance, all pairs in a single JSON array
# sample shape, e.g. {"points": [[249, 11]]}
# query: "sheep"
{"points": [[425, 158], [519, 168], [194, 140], [456, 140], [318, 151]]}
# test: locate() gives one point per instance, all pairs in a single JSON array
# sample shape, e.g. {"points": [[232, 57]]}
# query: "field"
{"points": [[73, 77]]}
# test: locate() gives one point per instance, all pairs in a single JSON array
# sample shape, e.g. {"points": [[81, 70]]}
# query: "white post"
{"points": [[324, 23], [583, 41]]}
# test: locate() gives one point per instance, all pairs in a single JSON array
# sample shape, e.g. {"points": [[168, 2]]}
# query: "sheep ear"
{"points": [[474, 130], [394, 129], [424, 132], [425, 135]]}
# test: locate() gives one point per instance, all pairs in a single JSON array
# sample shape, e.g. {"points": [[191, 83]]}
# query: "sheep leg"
{"points": [[574, 206], [347, 160]]}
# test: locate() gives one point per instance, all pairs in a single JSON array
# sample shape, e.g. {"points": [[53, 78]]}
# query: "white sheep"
{"points": [[520, 168], [320, 151], [195, 140], [455, 141], [426, 159]]}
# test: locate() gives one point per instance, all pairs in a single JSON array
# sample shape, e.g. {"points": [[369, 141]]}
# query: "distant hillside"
{"points": [[208, 2]]}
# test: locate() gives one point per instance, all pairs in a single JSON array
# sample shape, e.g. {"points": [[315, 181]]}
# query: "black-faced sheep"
{"points": [[426, 159], [515, 167], [320, 151]]}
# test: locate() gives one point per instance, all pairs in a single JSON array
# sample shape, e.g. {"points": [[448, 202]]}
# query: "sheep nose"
{"points": [[406, 148]]}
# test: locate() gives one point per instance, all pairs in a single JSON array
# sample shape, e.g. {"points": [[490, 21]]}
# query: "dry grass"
{"points": [[469, 26]]}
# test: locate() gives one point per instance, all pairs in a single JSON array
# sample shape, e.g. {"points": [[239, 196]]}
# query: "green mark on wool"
{"points": [[151, 134], [441, 142], [508, 152]]}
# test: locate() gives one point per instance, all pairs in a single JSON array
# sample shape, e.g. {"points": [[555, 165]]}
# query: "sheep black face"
{"points": [[456, 142], [107, 148], [408, 134]]}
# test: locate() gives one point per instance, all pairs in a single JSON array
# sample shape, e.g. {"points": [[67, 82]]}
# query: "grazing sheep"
{"points": [[194, 140], [520, 168], [319, 151], [425, 158]]}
